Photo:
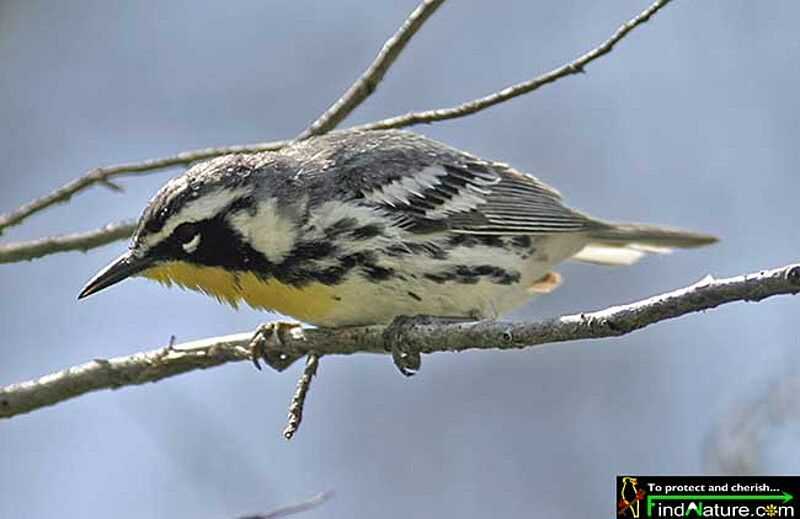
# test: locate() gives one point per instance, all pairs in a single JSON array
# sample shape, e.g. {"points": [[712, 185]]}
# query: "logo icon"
{"points": [[630, 497]]}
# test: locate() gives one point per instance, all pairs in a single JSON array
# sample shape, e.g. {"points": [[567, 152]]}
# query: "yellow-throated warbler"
{"points": [[357, 228]]}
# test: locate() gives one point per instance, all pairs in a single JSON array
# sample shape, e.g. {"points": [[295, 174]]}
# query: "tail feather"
{"points": [[624, 244], [650, 235]]}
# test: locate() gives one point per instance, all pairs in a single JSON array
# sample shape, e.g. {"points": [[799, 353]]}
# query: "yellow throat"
{"points": [[307, 303]]}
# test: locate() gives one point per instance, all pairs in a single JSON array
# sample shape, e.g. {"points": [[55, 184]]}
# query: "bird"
{"points": [[360, 227]]}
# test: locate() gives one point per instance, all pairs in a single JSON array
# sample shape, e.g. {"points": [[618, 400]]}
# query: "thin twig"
{"points": [[161, 363], [354, 96], [83, 241], [299, 398], [103, 175], [296, 508], [574, 67], [366, 84], [349, 103]]}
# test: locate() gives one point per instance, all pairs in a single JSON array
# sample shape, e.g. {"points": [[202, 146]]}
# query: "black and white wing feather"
{"points": [[475, 197]]}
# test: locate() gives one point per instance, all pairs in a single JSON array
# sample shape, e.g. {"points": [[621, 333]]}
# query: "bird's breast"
{"points": [[305, 303]]}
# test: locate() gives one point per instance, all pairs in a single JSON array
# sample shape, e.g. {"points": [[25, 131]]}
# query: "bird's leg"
{"points": [[269, 344], [407, 360]]}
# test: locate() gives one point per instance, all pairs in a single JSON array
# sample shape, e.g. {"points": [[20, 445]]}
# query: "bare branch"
{"points": [[299, 398], [366, 84], [296, 508], [83, 241], [104, 174], [355, 95], [574, 67], [168, 361]]}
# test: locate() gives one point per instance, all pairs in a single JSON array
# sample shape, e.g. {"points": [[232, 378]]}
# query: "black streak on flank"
{"points": [[376, 273], [523, 242], [367, 231], [471, 275], [414, 296], [366, 262], [340, 227], [472, 240], [306, 251], [430, 250]]}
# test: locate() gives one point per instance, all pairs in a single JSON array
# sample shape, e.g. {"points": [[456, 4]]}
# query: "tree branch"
{"points": [[104, 174], [295, 508], [299, 398], [366, 84], [355, 95], [168, 361], [574, 67], [83, 241]]}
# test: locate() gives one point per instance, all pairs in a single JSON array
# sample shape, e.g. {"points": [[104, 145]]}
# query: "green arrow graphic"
{"points": [[785, 498]]}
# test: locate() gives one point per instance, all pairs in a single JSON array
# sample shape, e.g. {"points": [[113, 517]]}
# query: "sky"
{"points": [[693, 121]]}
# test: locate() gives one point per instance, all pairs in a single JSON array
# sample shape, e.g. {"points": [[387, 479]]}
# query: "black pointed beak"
{"points": [[121, 268]]}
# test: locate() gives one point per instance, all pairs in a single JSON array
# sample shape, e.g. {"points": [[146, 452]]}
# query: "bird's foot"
{"points": [[269, 344], [409, 360]]}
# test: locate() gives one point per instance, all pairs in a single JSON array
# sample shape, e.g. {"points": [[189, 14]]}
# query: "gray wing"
{"points": [[473, 197]]}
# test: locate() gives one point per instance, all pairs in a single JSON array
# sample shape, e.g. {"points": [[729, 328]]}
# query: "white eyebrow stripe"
{"points": [[206, 206]]}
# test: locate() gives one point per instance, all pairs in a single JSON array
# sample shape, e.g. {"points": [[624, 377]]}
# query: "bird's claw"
{"points": [[407, 360], [269, 344]]}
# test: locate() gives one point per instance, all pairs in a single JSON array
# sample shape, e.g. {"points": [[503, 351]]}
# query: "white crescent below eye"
{"points": [[191, 245]]}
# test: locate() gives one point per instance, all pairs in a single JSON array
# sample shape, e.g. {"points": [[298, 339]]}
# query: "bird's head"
{"points": [[201, 224]]}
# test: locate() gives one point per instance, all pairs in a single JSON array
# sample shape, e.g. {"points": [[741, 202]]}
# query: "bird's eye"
{"points": [[185, 232]]}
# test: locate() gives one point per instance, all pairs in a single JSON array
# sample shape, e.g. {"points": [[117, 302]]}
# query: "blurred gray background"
{"points": [[693, 121]]}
